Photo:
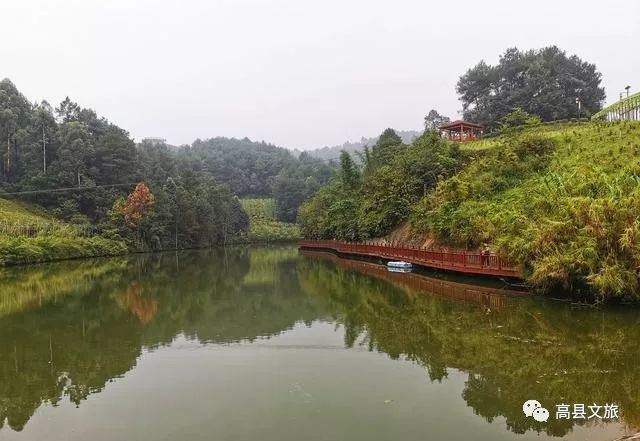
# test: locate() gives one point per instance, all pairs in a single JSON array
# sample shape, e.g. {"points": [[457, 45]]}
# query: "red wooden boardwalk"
{"points": [[495, 299], [461, 261]]}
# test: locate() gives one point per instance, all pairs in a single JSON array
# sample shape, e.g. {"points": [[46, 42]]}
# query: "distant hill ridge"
{"points": [[333, 152], [232, 145]]}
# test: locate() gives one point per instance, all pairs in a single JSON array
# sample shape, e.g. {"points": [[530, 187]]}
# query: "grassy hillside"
{"points": [[263, 226], [18, 213], [29, 235], [561, 200]]}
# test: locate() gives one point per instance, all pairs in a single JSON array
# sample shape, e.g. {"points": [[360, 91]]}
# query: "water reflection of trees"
{"points": [[32, 286], [525, 349], [98, 316], [73, 344]]}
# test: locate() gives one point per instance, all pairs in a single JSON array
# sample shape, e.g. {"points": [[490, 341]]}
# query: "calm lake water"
{"points": [[266, 344]]}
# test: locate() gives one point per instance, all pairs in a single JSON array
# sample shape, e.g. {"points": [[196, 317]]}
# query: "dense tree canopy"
{"points": [[257, 169], [15, 113], [248, 167], [298, 182], [543, 82], [92, 165], [433, 120], [360, 205], [71, 147]]}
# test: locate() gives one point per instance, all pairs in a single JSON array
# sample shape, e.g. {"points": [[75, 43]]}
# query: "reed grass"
{"points": [[562, 200], [29, 235]]}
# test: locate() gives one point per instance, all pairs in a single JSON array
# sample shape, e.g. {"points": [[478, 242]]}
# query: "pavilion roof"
{"points": [[458, 123]]}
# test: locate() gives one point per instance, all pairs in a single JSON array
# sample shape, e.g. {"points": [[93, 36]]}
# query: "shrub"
{"points": [[559, 200]]}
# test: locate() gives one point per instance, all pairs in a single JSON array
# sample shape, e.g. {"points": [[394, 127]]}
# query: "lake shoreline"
{"points": [[26, 263]]}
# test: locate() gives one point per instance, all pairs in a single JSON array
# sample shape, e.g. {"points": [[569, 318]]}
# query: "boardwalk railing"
{"points": [[488, 297], [453, 260], [626, 109]]}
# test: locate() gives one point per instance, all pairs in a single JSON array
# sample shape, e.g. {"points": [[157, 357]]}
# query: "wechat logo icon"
{"points": [[533, 408]]}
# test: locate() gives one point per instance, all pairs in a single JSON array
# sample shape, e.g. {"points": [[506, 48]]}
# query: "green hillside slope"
{"points": [[263, 225], [29, 235], [561, 200]]}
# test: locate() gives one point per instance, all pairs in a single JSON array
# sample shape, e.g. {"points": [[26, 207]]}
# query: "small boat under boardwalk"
{"points": [[399, 264]]}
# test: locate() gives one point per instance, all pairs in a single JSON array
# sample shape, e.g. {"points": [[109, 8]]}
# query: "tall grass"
{"points": [[263, 226], [28, 235], [42, 228], [561, 200], [45, 248]]}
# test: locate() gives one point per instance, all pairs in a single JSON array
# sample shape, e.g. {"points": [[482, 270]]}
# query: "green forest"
{"points": [[560, 200], [545, 188], [104, 194], [555, 194]]}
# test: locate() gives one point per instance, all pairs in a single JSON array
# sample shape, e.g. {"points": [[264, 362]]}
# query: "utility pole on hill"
{"points": [[44, 152]]}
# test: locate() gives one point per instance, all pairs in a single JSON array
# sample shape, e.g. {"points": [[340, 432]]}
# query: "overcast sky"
{"points": [[296, 73]]}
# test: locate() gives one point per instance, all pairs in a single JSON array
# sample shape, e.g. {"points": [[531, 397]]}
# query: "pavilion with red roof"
{"points": [[461, 131]]}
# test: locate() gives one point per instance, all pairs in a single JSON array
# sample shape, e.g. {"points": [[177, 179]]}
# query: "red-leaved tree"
{"points": [[136, 205]]}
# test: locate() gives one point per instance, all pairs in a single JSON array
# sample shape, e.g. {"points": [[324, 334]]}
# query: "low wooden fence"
{"points": [[462, 261]]}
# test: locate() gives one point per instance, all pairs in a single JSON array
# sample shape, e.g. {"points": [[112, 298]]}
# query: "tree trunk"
{"points": [[44, 152], [8, 171]]}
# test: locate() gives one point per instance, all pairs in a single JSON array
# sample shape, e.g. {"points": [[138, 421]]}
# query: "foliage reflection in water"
{"points": [[339, 336]]}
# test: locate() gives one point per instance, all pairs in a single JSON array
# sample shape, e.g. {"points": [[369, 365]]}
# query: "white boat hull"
{"points": [[399, 264]]}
